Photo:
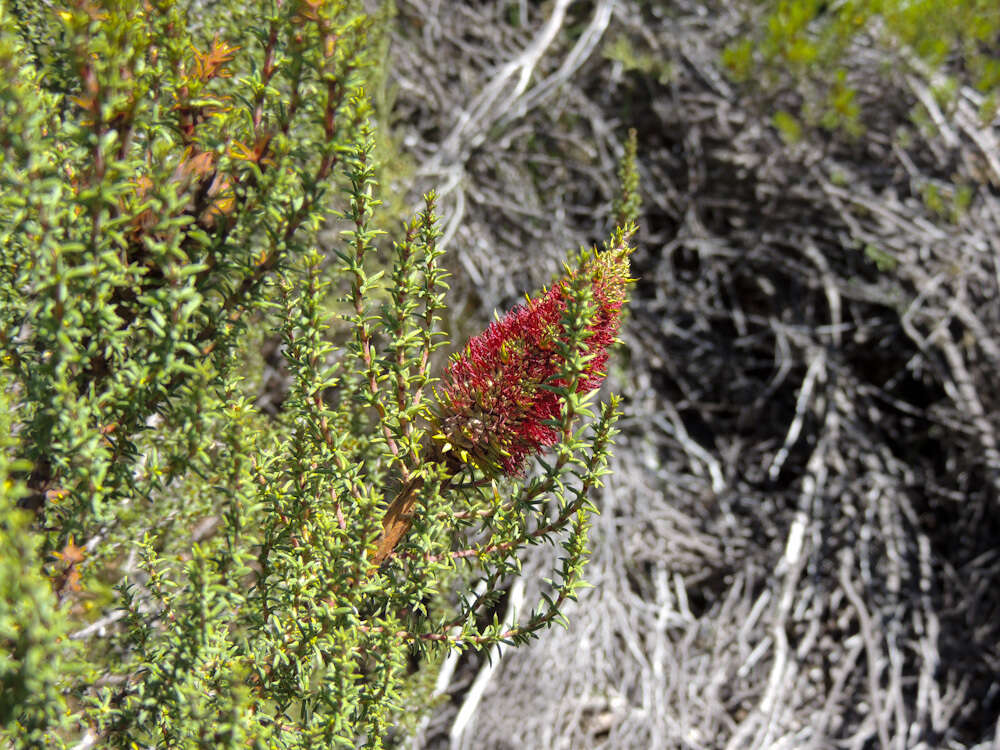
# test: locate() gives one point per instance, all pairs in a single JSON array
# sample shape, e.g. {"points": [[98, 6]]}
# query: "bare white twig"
{"points": [[459, 729]]}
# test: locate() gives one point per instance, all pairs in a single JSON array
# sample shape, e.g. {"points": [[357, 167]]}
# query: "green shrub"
{"points": [[32, 630], [806, 47], [188, 224]]}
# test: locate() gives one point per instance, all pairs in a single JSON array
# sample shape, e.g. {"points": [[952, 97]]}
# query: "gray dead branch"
{"points": [[799, 546]]}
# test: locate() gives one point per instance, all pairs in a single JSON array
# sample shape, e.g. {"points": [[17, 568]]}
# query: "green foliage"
{"points": [[32, 629], [181, 188], [632, 57], [788, 126], [948, 201], [628, 201], [805, 46]]}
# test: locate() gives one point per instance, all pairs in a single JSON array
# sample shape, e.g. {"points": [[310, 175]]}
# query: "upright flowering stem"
{"points": [[497, 399]]}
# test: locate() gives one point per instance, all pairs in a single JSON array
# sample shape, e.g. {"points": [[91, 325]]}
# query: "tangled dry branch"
{"points": [[798, 548]]}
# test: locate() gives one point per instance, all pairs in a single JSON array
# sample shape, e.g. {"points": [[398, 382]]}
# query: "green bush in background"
{"points": [[806, 47], [182, 189]]}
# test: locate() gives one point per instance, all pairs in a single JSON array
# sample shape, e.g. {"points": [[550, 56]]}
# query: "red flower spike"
{"points": [[491, 404]]}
